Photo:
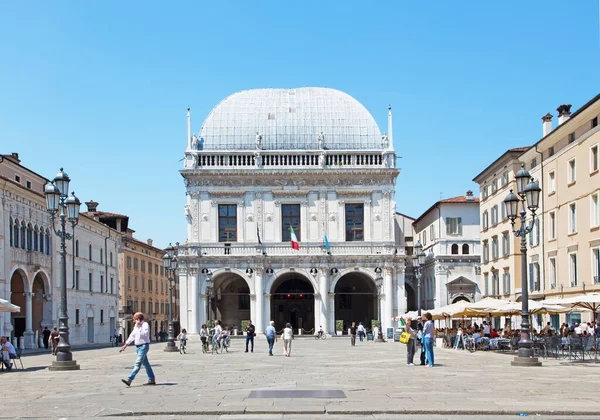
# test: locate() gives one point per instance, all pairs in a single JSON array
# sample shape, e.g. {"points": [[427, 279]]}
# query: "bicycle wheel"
{"points": [[204, 348], [324, 336], [226, 347], [317, 337]]}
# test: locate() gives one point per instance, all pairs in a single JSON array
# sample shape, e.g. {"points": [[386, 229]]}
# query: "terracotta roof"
{"points": [[459, 199], [102, 214]]}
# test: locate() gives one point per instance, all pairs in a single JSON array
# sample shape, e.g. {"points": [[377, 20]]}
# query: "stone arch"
{"points": [[355, 300], [221, 271], [461, 298], [293, 299], [112, 313], [369, 273], [19, 285], [89, 313], [280, 273], [230, 301]]}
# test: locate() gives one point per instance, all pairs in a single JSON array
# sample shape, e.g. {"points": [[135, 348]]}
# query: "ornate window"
{"points": [[465, 249], [290, 216], [36, 239], [227, 223], [354, 222], [454, 249], [23, 235]]}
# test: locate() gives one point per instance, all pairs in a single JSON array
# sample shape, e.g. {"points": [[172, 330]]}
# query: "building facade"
{"points": [[449, 233], [267, 161], [29, 265], [563, 250]]}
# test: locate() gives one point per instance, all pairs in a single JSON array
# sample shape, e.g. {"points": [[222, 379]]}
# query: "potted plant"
{"points": [[339, 326], [245, 323]]}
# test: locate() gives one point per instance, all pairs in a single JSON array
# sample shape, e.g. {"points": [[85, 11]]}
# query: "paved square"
{"points": [[374, 378]]}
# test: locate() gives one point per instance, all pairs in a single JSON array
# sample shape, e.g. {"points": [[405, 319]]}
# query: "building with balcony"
{"points": [[449, 233], [563, 250], [30, 261], [267, 161]]}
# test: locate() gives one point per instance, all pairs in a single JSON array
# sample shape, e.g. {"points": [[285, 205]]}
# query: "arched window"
{"points": [[16, 234], [465, 249], [41, 241], [12, 232], [29, 237], [454, 249], [77, 247], [23, 235], [90, 252], [36, 239]]}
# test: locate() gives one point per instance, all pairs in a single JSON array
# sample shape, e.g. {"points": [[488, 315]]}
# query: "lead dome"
{"points": [[290, 119]]}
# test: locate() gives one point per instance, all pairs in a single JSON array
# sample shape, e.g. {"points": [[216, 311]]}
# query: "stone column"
{"points": [[387, 303], [400, 291], [317, 310], [204, 309], [259, 310], [184, 288], [192, 310], [331, 326], [323, 292], [28, 335], [266, 313]]}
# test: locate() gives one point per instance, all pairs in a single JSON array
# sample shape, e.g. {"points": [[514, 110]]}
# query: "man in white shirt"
{"points": [[9, 351], [141, 337]]}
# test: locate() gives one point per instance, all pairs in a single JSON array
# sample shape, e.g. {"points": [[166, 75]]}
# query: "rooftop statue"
{"points": [[321, 139], [258, 141], [385, 141]]}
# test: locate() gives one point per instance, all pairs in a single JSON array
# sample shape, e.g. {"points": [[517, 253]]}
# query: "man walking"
{"points": [[250, 333], [46, 335], [55, 338], [353, 331], [141, 337], [271, 336]]}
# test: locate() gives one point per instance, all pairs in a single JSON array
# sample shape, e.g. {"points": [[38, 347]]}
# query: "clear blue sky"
{"points": [[101, 88]]}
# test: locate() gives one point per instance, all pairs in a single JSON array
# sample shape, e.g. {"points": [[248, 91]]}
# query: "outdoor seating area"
{"points": [[469, 326]]}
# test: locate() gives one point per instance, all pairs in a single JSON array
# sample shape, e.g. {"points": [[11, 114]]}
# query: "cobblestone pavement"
{"points": [[374, 377]]}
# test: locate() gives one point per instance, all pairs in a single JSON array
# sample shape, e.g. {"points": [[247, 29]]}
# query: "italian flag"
{"points": [[294, 239]]}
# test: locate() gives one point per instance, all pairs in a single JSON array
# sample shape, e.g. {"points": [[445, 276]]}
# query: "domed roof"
{"points": [[289, 119]]}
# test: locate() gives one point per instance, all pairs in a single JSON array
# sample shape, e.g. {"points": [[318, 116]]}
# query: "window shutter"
{"points": [[448, 229], [531, 277], [459, 223], [537, 231]]}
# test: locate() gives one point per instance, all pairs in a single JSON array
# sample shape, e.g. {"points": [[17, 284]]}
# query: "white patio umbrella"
{"points": [[535, 307], [589, 301], [6, 306]]}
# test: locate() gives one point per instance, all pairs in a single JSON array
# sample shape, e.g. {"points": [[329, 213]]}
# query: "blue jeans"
{"points": [[361, 335], [142, 359], [249, 339], [271, 341], [429, 350]]}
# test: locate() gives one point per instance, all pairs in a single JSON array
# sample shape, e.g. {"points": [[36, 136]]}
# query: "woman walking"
{"points": [[428, 339], [287, 336], [411, 346]]}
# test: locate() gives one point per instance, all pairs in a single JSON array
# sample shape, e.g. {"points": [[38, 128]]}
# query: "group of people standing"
{"points": [[422, 333]]}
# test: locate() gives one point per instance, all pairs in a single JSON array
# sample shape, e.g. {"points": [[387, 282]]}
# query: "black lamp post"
{"points": [[379, 284], [209, 294], [528, 192], [170, 261], [58, 199], [418, 261]]}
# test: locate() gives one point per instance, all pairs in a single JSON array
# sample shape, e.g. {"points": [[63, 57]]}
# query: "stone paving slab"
{"points": [[373, 376]]}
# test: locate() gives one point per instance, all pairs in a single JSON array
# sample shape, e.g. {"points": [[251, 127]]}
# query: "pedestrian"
{"points": [[55, 338], [428, 339], [250, 333], [287, 336], [420, 339], [271, 335], [361, 331], [141, 337], [8, 352], [156, 336], [46, 335], [411, 346], [353, 331]]}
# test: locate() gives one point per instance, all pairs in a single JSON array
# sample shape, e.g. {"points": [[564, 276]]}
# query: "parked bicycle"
{"points": [[321, 335]]}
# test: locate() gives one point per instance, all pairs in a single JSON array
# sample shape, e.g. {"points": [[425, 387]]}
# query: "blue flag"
{"points": [[326, 243]]}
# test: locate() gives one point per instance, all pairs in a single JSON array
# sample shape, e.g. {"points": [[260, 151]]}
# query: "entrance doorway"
{"points": [[355, 300], [293, 301], [231, 300], [17, 297], [411, 298]]}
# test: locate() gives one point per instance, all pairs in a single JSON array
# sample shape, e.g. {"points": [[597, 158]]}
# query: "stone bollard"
{"points": [[15, 342]]}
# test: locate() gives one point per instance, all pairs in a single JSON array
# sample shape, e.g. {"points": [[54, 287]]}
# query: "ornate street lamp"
{"points": [[170, 261], [379, 284], [418, 261], [58, 199], [528, 192]]}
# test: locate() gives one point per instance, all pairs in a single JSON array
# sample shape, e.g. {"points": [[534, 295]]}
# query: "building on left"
{"points": [[29, 265]]}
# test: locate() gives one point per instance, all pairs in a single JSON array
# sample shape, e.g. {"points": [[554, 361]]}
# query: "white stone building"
{"points": [[29, 264], [449, 233], [312, 158]]}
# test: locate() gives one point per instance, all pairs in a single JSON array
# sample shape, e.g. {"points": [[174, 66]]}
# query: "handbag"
{"points": [[404, 338]]}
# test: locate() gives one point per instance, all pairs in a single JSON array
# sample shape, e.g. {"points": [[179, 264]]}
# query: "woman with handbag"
{"points": [[411, 346]]}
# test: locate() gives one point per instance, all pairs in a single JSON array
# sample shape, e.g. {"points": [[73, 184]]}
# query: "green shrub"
{"points": [[339, 325]]}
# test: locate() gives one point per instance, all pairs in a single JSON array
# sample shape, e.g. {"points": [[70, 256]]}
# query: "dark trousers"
{"points": [[271, 341], [422, 353], [411, 349], [46, 343], [250, 339]]}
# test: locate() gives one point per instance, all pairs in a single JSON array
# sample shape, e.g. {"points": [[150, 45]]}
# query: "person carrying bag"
{"points": [[409, 336]]}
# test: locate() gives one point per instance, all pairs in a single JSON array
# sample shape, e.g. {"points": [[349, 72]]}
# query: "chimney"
{"points": [[469, 196], [546, 124], [15, 156], [149, 241], [564, 113], [92, 206]]}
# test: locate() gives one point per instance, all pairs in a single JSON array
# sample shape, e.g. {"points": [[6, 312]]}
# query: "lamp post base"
{"points": [[526, 361], [379, 340], [68, 365], [171, 347]]}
